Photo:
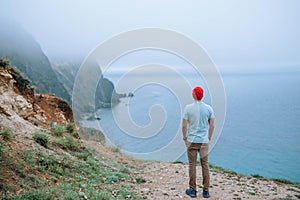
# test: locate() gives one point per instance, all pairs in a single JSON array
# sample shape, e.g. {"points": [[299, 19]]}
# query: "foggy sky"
{"points": [[261, 32]]}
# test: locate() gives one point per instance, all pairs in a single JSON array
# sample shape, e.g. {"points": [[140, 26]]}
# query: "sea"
{"points": [[261, 129]]}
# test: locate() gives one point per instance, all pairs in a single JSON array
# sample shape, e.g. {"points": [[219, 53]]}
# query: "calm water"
{"points": [[262, 129], [261, 134]]}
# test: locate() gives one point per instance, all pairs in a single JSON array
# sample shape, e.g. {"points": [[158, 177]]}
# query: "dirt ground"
{"points": [[170, 180]]}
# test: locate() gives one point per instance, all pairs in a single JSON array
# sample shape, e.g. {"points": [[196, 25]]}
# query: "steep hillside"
{"points": [[25, 53], [28, 107], [41, 155], [66, 73]]}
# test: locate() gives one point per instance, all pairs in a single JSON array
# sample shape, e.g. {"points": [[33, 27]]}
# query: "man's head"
{"points": [[198, 93]]}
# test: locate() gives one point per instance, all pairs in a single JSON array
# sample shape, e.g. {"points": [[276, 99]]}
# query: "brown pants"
{"points": [[193, 149]]}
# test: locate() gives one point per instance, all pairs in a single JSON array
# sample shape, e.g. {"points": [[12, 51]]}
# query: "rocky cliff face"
{"points": [[41, 161], [20, 107], [105, 96]]}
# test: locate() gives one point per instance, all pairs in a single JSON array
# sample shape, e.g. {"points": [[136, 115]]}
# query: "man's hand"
{"points": [[187, 144]]}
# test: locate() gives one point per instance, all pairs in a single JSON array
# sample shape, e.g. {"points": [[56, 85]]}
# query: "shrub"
{"points": [[282, 181], [125, 170], [41, 138], [4, 63], [112, 179], [57, 130], [140, 180], [36, 123], [83, 155], [68, 143], [28, 156], [257, 176], [70, 127], [50, 164], [116, 149], [2, 150], [6, 134]]}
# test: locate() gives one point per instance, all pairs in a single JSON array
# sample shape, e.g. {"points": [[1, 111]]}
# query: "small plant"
{"points": [[2, 150], [32, 181], [33, 194], [28, 156], [125, 170], [4, 63], [6, 134], [282, 181], [116, 149], [36, 123], [83, 155], [41, 138], [68, 143], [112, 179], [140, 180], [51, 124], [257, 176], [221, 169], [70, 127], [57, 130]]}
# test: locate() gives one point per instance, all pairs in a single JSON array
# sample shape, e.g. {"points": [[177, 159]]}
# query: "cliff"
{"points": [[105, 96], [24, 52], [42, 155], [20, 106]]}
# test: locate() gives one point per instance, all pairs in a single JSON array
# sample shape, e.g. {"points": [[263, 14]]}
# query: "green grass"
{"points": [[2, 149], [256, 176], [77, 174], [4, 63], [41, 138], [6, 134], [140, 180], [83, 155], [177, 162], [36, 123], [70, 127], [115, 149], [221, 169], [43, 194], [32, 181], [67, 143], [27, 156], [282, 181], [57, 130]]}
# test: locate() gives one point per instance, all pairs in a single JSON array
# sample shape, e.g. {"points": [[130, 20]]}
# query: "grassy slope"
{"points": [[65, 169]]}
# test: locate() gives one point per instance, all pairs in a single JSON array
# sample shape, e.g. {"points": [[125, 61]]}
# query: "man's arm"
{"points": [[211, 127], [184, 128]]}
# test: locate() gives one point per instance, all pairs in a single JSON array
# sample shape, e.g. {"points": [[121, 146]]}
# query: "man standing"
{"points": [[197, 130]]}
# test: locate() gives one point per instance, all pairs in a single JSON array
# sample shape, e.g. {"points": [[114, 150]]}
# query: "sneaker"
{"points": [[191, 193], [205, 194]]}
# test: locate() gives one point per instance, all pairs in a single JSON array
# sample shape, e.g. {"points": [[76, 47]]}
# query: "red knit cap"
{"points": [[198, 93]]}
